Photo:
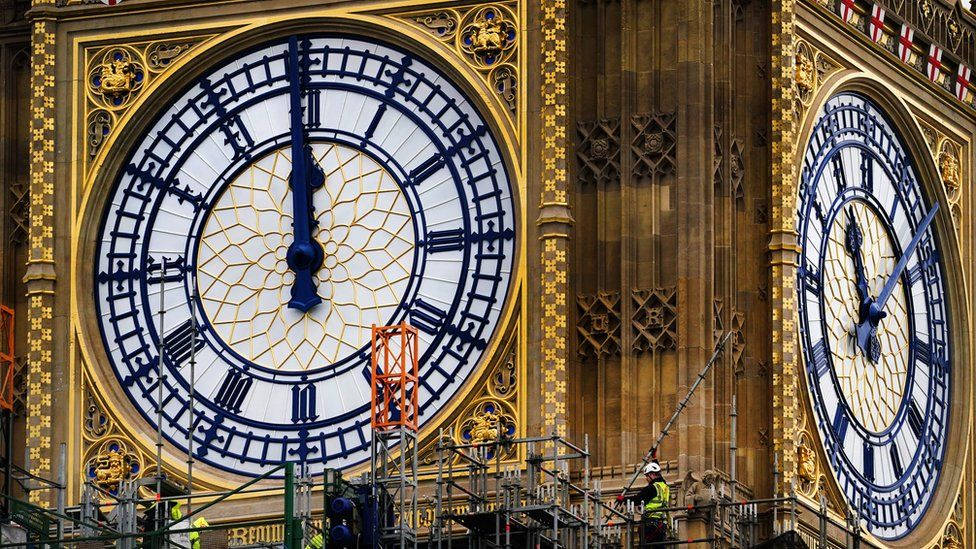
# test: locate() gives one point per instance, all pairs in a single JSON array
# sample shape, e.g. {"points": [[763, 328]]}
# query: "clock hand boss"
{"points": [[305, 254], [876, 308]]}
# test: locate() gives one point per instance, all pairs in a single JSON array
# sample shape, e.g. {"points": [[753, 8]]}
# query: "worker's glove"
{"points": [[620, 498]]}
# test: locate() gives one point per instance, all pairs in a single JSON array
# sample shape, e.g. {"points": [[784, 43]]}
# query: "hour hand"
{"points": [[853, 240], [866, 333], [305, 254]]}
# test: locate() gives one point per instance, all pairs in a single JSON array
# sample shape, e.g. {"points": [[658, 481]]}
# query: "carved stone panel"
{"points": [[654, 321], [598, 327], [653, 145], [598, 150]]}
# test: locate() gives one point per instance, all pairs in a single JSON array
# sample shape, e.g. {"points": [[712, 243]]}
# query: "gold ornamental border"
{"points": [[89, 191], [943, 505]]}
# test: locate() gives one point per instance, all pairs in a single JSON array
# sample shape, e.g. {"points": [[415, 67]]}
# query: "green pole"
{"points": [[289, 540]]}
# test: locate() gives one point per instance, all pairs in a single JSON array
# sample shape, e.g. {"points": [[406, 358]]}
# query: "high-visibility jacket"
{"points": [[660, 500], [200, 522], [315, 542]]}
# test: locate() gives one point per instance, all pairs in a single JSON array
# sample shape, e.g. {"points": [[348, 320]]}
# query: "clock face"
{"points": [[281, 206], [873, 314]]}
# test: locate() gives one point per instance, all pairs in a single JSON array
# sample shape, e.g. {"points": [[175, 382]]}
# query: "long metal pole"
{"points": [[733, 511], [289, 505], [193, 379], [681, 406], [159, 393]]}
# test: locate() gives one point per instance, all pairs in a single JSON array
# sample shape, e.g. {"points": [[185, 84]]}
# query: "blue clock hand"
{"points": [[852, 242], [305, 253], [876, 308], [853, 239]]}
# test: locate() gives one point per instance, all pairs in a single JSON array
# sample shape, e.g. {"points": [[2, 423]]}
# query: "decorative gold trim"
{"points": [[813, 67], [554, 219], [785, 361], [116, 75], [486, 38], [40, 272], [89, 192]]}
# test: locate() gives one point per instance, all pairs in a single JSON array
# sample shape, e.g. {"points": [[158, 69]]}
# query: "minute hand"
{"points": [[305, 253], [900, 266]]}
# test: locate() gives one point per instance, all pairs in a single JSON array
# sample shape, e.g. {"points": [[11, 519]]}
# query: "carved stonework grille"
{"points": [[598, 328], [653, 145], [598, 150], [654, 321]]}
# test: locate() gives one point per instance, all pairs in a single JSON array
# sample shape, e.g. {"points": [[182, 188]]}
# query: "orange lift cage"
{"points": [[7, 363], [395, 382]]}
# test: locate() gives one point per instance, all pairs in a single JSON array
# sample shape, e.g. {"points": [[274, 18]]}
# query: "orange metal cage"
{"points": [[7, 361], [394, 378]]}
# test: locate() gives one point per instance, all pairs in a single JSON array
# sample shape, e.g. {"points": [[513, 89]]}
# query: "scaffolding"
{"points": [[393, 417], [484, 503]]}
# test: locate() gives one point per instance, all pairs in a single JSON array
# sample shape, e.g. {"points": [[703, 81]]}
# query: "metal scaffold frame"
{"points": [[393, 417]]}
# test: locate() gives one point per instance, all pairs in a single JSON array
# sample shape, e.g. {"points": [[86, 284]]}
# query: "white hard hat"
{"points": [[652, 467]]}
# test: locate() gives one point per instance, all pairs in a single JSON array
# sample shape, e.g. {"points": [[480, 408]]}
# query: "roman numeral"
{"points": [[430, 166], [233, 128], [376, 120], [313, 107], [426, 169], [183, 341], [840, 176], [840, 424], [303, 403], [895, 460], [811, 279], [233, 390], [867, 171], [183, 195], [915, 419], [176, 269], [868, 468], [427, 317], [444, 241], [923, 351], [818, 354]]}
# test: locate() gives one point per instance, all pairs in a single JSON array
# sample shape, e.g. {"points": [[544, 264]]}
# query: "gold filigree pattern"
{"points": [[365, 229], [812, 68], [40, 272], [97, 422], [873, 390], [117, 75], [487, 420], [112, 463], [486, 38], [99, 126], [554, 218], [950, 167], [783, 241], [442, 24]]}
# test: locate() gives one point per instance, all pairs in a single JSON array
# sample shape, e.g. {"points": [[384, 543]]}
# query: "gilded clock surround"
{"points": [[792, 20], [179, 70], [935, 519]]}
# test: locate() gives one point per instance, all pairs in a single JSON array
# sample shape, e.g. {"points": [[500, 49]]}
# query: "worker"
{"points": [[189, 539], [655, 522], [315, 542]]}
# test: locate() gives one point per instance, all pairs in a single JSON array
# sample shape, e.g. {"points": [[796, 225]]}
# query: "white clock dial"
{"points": [[298, 194], [873, 316], [366, 230]]}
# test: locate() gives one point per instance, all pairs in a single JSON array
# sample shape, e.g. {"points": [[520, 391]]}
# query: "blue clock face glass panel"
{"points": [[271, 270], [874, 321]]}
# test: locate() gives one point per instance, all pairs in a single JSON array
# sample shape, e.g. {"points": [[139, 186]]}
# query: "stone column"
{"points": [[40, 277], [695, 222], [554, 220]]}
